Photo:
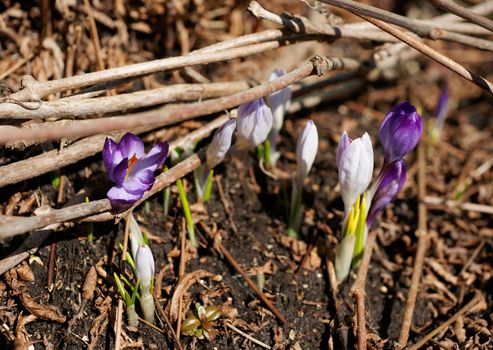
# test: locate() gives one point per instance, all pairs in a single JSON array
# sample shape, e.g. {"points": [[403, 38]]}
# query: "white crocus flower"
{"points": [[355, 162], [253, 124], [306, 150], [145, 272]]}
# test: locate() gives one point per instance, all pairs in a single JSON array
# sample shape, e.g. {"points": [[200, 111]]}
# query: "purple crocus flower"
{"points": [[400, 131], [130, 168], [388, 185]]}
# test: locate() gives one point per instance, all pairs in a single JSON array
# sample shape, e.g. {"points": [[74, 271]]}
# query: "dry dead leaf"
{"points": [[45, 312], [182, 288], [90, 284], [298, 248], [21, 337], [313, 261]]}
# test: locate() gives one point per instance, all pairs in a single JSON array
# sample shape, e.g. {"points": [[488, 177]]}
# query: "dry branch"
{"points": [[461, 11], [431, 53], [317, 66], [92, 107], [433, 31], [423, 241]]}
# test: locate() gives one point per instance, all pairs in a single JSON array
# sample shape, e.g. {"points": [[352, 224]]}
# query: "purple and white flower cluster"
{"points": [[399, 134]]}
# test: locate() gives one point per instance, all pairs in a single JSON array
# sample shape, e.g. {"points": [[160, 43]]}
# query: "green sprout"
{"points": [[128, 299], [199, 323], [90, 228], [187, 213]]}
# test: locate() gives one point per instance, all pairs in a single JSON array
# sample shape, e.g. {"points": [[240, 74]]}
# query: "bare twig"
{"points": [[93, 29], [358, 289], [218, 245], [161, 313], [461, 11], [423, 241], [249, 337], [118, 325], [477, 298], [480, 208], [428, 30], [317, 66], [33, 90], [90, 107], [431, 53]]}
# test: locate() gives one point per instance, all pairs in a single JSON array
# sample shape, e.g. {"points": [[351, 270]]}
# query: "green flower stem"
{"points": [[90, 228], [186, 211], [208, 186], [166, 200], [296, 211]]}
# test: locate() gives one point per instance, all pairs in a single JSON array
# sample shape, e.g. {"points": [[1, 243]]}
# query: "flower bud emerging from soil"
{"points": [[400, 131], [253, 123], [131, 169], [145, 265], [145, 272], [355, 162], [306, 150], [220, 144]]}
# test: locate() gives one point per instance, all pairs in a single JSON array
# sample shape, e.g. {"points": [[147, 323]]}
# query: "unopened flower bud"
{"points": [[253, 123], [220, 144], [145, 266], [400, 131], [355, 168], [389, 184], [306, 150]]}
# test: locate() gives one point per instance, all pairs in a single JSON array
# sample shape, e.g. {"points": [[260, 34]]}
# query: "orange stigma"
{"points": [[131, 162]]}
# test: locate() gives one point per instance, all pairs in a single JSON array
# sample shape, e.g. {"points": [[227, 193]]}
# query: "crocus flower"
{"points": [[400, 131], [355, 163], [144, 261], [253, 122], [278, 102], [220, 144], [145, 265], [130, 168], [389, 184], [306, 150]]}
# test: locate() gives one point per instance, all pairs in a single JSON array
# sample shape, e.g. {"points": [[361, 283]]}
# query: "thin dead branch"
{"points": [[461, 11], [317, 66], [423, 242]]}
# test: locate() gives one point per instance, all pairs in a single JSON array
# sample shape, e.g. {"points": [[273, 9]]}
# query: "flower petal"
{"points": [[119, 172], [343, 144], [153, 159], [138, 183], [131, 145], [120, 199], [111, 156]]}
